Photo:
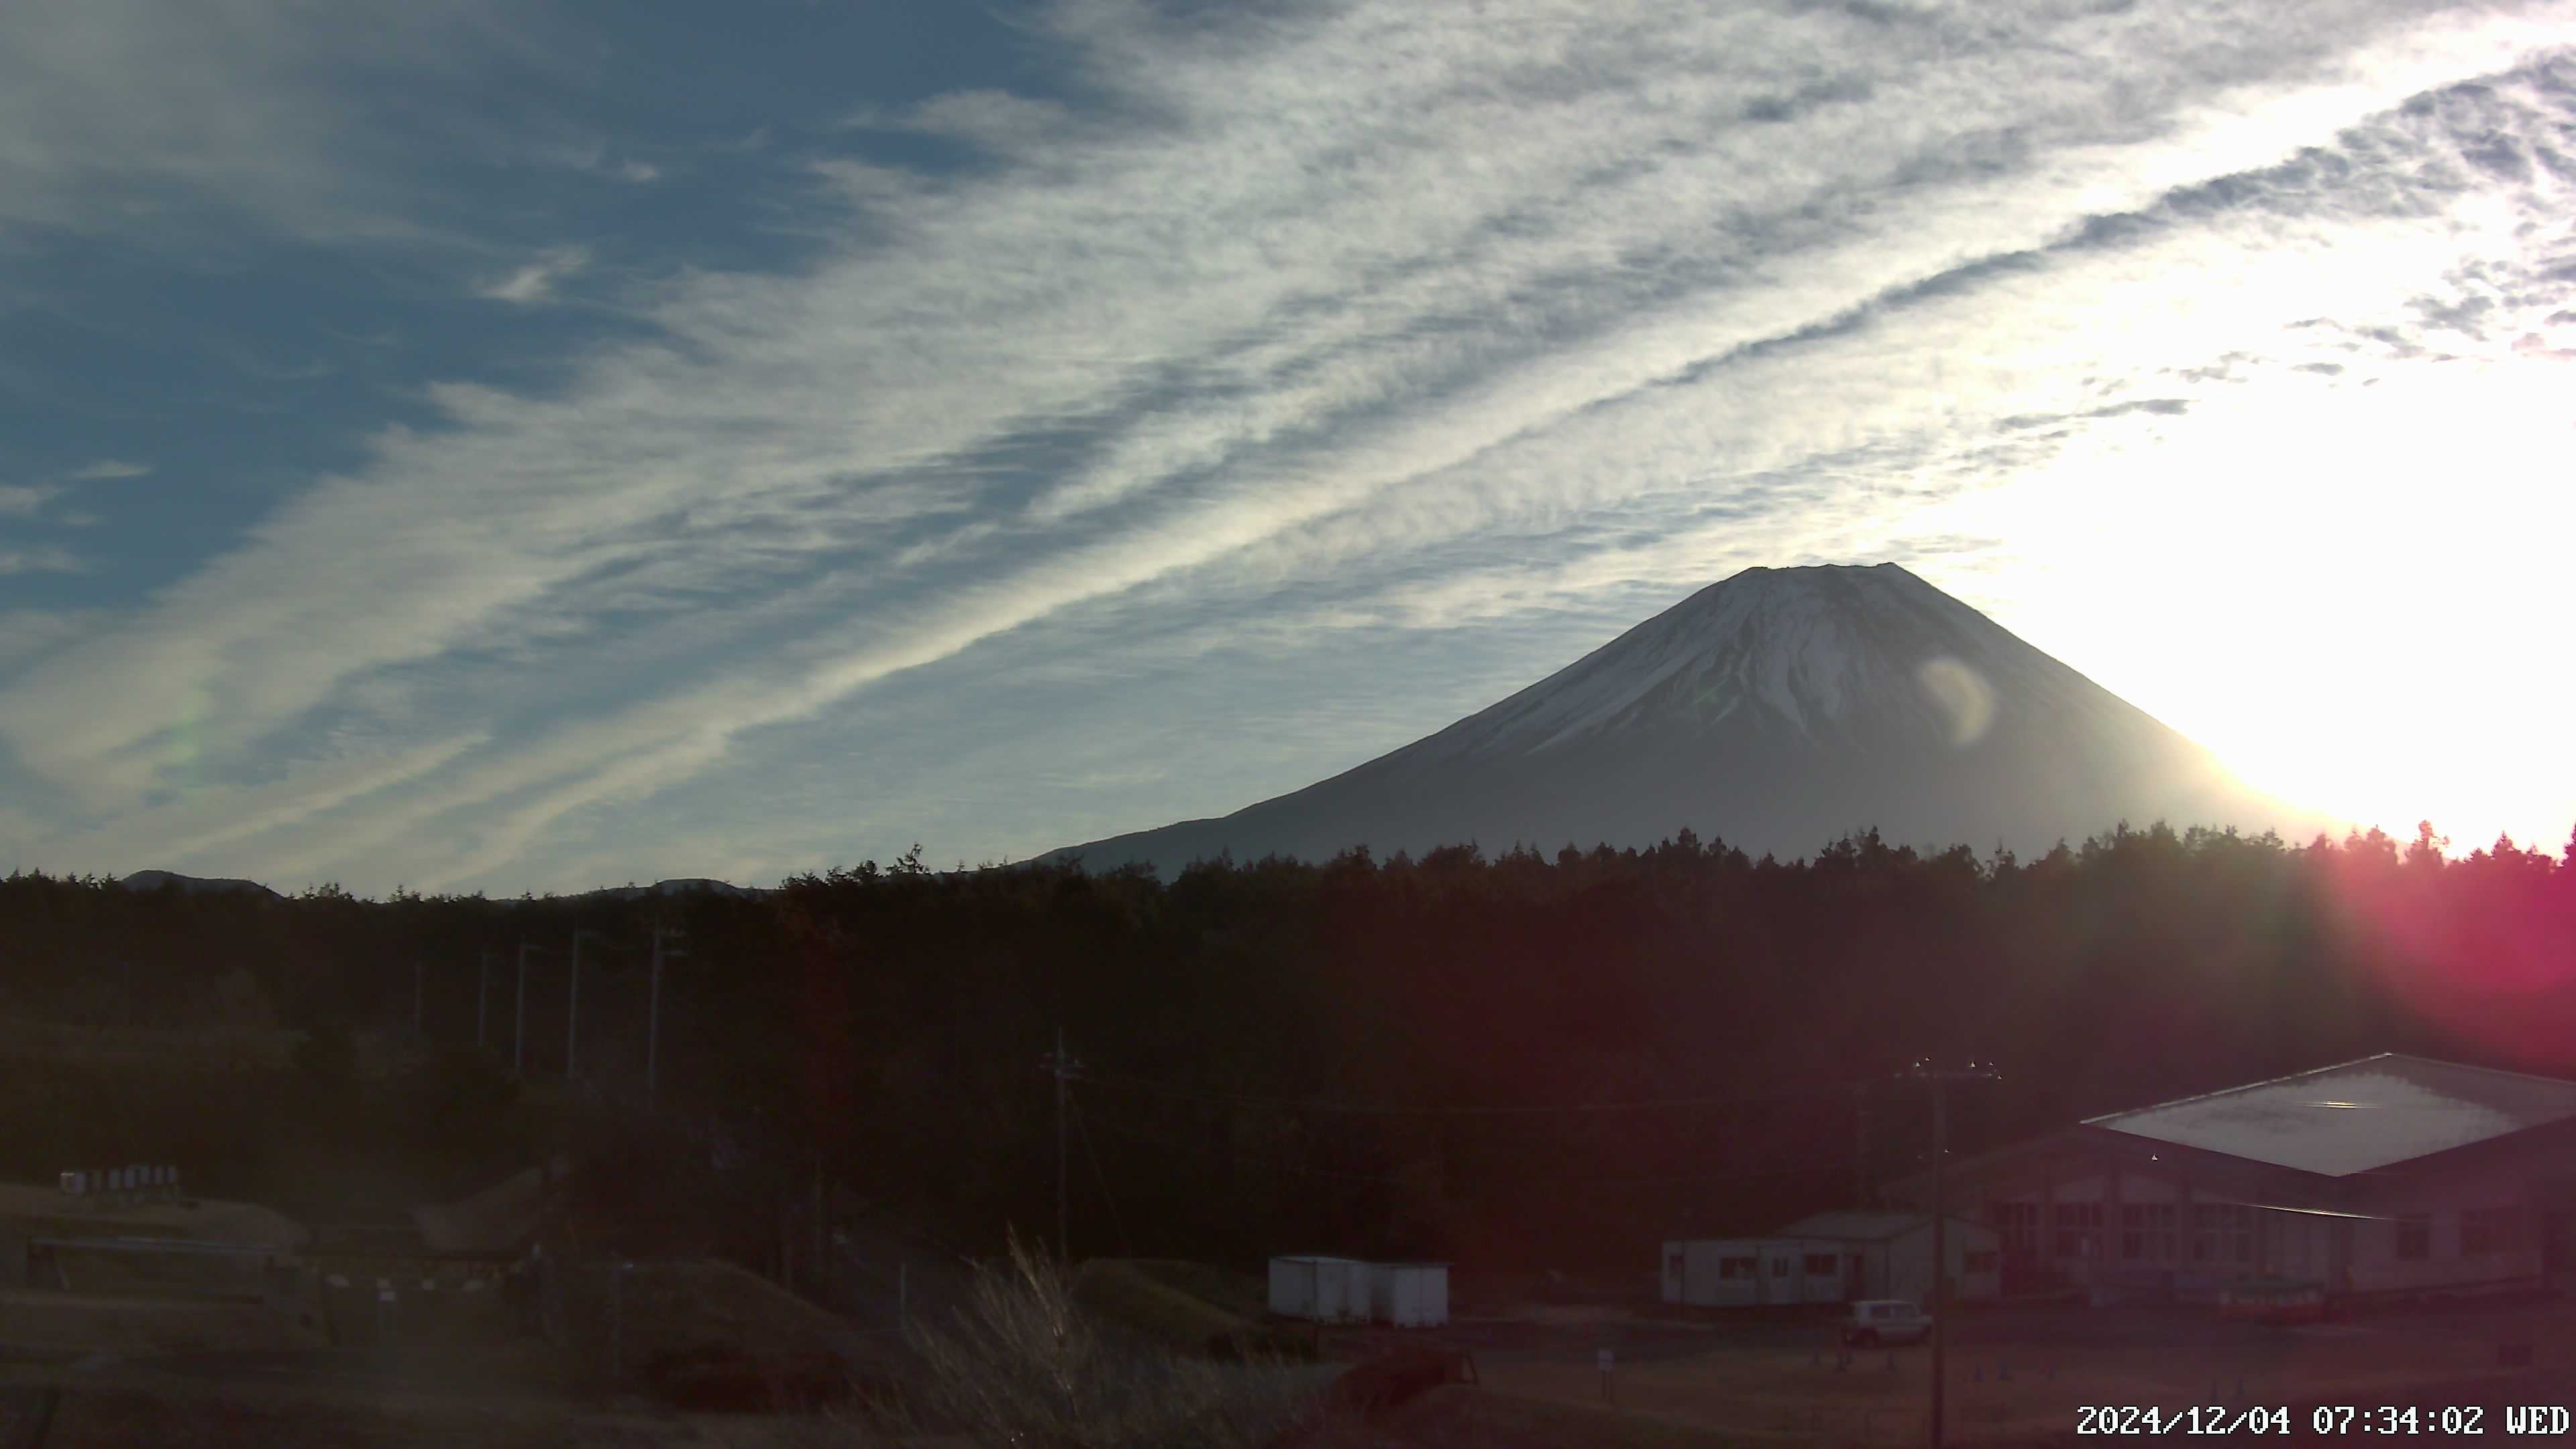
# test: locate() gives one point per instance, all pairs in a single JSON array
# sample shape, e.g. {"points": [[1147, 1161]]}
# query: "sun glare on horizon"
{"points": [[2356, 597]]}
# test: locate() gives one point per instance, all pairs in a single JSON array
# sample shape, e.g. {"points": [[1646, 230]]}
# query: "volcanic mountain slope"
{"points": [[1778, 710]]}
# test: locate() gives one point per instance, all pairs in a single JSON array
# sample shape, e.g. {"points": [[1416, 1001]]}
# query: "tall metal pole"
{"points": [[1940, 1220], [1065, 1069], [519, 1032], [572, 1015], [653, 1026], [1940, 1247], [1063, 1252], [1860, 1145], [653, 1019]]}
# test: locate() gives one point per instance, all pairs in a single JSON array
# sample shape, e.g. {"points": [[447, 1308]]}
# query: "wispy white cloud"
{"points": [[536, 281], [592, 157], [127, 111], [996, 120], [1437, 318], [26, 633], [108, 469], [21, 500], [38, 558]]}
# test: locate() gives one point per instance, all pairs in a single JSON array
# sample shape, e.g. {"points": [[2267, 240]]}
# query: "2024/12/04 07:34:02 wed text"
{"points": [[2395, 1420]]}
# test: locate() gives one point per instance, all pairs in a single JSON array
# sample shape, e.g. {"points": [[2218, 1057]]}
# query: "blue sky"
{"points": [[535, 446]]}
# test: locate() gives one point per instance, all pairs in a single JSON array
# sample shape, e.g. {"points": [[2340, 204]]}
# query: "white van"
{"points": [[1875, 1321]]}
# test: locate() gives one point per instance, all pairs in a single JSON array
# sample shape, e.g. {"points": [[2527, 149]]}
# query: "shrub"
{"points": [[1023, 1367]]}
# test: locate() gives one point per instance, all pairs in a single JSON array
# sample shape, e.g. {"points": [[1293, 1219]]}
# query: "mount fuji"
{"points": [[1778, 710]]}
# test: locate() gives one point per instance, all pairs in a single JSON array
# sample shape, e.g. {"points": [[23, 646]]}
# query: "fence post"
{"points": [[550, 1298], [617, 1321]]}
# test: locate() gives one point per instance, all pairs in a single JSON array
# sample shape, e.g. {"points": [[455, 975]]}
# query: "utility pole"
{"points": [[653, 1017], [1064, 1069], [1924, 1071], [572, 1018], [519, 1032], [1860, 1145]]}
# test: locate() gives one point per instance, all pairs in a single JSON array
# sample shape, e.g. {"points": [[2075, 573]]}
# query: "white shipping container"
{"points": [[1323, 1290], [1409, 1295]]}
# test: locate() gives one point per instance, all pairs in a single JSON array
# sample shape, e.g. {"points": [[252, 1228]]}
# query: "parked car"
{"points": [[1886, 1320]]}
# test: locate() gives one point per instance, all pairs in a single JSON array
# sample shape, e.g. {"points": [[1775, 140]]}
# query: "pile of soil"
{"points": [[714, 1380], [711, 1337], [496, 1220]]}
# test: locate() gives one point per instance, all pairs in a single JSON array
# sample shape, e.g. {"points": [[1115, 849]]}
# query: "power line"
{"points": [[1227, 1099]]}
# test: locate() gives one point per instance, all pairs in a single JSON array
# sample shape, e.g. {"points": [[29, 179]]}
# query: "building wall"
{"points": [[2463, 1231], [2116, 1221], [1713, 1272], [1742, 1272], [1908, 1260]]}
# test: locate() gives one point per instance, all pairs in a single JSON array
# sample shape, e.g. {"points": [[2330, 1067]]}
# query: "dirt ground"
{"points": [[362, 1401], [1470, 1418], [685, 1303], [2024, 1376], [143, 1325]]}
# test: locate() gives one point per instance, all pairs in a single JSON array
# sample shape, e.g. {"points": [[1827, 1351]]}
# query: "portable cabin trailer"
{"points": [[1319, 1289], [1745, 1272], [1890, 1253]]}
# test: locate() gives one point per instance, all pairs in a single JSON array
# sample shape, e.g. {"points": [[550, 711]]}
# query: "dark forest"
{"points": [[1525, 1060]]}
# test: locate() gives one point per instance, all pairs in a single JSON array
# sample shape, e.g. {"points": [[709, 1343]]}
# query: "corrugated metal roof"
{"points": [[2356, 1117], [1866, 1227]]}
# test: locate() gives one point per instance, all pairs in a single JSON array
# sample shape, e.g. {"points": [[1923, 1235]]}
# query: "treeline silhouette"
{"points": [[1526, 1059]]}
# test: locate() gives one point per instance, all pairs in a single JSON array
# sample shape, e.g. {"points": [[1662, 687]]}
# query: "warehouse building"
{"points": [[2388, 1176]]}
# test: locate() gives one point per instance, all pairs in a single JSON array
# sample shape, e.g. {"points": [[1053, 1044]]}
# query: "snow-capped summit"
{"points": [[1777, 710], [1805, 650]]}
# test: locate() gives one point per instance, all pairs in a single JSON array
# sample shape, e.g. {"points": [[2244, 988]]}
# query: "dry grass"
{"points": [[1245, 1295], [1022, 1366], [1187, 1308], [1120, 1293]]}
